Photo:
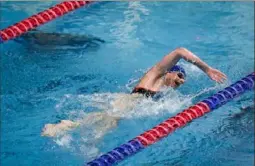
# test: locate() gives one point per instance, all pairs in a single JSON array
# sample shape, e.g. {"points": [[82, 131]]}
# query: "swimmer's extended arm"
{"points": [[181, 53]]}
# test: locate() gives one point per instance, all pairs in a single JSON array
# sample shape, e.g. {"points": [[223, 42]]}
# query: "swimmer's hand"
{"points": [[216, 75]]}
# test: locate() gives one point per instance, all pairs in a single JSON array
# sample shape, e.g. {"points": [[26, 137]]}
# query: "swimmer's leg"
{"points": [[52, 130], [101, 121]]}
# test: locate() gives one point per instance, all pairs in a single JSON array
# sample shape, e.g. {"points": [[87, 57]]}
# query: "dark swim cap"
{"points": [[177, 68]]}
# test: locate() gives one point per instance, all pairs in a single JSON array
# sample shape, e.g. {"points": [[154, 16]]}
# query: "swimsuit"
{"points": [[143, 91]]}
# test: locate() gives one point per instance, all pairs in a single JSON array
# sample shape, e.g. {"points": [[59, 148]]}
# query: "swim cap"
{"points": [[178, 69]]}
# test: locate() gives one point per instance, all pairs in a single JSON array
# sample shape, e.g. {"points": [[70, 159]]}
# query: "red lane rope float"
{"points": [[168, 126], [39, 19], [181, 119]]}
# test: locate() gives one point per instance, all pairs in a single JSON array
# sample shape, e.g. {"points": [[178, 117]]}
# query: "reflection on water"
{"points": [[58, 41]]}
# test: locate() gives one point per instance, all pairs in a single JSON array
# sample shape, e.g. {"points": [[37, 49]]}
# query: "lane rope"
{"points": [[181, 119], [40, 19]]}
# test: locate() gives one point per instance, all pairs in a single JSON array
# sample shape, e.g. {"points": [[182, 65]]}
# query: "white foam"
{"points": [[131, 106], [64, 140]]}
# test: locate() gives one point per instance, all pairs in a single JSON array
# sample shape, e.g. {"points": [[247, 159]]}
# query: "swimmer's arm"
{"points": [[182, 53], [212, 73]]}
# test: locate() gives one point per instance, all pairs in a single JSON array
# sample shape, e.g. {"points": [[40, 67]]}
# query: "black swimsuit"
{"points": [[143, 91]]}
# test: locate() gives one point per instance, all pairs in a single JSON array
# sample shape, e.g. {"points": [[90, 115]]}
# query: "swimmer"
{"points": [[165, 74], [58, 39]]}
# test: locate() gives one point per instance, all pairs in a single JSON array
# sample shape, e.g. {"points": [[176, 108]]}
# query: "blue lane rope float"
{"points": [[165, 128]]}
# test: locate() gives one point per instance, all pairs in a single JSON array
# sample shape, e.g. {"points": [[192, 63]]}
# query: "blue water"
{"points": [[40, 86]]}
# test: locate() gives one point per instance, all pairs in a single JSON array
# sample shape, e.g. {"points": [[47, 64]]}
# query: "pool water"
{"points": [[42, 84]]}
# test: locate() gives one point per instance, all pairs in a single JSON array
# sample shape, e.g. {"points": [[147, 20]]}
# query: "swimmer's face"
{"points": [[174, 79]]}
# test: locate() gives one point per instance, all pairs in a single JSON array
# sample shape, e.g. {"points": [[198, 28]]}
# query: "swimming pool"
{"points": [[42, 86]]}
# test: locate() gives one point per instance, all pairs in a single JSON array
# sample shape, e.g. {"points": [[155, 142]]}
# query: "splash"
{"points": [[64, 141], [99, 113]]}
